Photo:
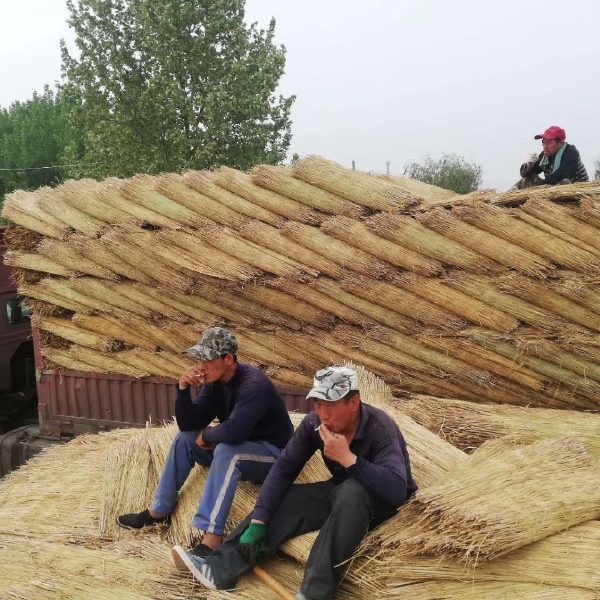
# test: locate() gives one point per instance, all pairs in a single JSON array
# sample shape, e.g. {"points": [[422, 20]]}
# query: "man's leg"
{"points": [[250, 461], [183, 455], [354, 510], [304, 508]]}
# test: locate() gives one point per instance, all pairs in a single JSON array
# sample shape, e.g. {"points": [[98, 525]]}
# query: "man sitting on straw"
{"points": [[371, 478], [254, 426], [559, 162]]}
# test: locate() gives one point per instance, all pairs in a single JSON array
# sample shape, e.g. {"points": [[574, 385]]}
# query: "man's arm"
{"points": [[193, 416], [285, 470], [252, 402]]}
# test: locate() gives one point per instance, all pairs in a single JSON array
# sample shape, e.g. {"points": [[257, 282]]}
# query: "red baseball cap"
{"points": [[552, 133]]}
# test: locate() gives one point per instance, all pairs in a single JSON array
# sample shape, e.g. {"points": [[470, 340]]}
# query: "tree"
{"points": [[33, 137], [597, 168], [450, 172], [166, 85]]}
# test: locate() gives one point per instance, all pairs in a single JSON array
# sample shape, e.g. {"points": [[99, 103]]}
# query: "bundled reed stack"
{"points": [[487, 296]]}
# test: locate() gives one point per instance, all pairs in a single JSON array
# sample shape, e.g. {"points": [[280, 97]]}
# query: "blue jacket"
{"points": [[383, 464]]}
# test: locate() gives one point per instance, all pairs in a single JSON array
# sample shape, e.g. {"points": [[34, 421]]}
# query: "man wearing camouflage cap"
{"points": [[254, 426], [371, 478]]}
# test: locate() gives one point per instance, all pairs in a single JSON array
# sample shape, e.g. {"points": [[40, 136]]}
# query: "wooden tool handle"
{"points": [[274, 585]]}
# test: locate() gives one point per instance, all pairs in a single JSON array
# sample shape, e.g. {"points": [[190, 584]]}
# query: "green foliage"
{"points": [[33, 134], [450, 172], [166, 85]]}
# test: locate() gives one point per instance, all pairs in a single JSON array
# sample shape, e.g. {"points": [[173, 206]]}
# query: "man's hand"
{"points": [[336, 447], [202, 444], [192, 377], [251, 542]]}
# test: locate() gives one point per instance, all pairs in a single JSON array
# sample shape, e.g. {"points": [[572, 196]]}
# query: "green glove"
{"points": [[251, 542]]}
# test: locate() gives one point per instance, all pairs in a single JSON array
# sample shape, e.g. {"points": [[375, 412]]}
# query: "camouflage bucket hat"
{"points": [[333, 383], [215, 342]]}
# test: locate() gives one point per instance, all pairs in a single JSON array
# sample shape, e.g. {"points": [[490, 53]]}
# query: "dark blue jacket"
{"points": [[249, 408], [383, 464]]}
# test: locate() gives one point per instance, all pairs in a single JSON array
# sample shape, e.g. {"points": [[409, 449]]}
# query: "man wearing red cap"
{"points": [[559, 162]]}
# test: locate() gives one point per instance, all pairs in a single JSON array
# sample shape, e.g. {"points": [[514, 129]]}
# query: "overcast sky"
{"points": [[395, 80]]}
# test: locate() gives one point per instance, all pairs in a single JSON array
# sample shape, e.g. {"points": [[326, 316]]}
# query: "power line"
{"points": [[50, 167]]}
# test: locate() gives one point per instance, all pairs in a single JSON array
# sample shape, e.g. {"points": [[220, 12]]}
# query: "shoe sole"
{"points": [[131, 528], [183, 562]]}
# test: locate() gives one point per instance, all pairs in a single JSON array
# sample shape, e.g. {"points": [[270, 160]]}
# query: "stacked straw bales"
{"points": [[485, 296]]}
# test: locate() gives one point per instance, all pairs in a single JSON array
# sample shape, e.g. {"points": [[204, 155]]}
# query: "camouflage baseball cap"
{"points": [[333, 383], [215, 342]]}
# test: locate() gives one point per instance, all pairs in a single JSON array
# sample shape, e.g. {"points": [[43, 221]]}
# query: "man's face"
{"points": [[214, 370], [337, 416], [551, 147]]}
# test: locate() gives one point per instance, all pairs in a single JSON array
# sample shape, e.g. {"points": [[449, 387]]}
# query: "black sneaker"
{"points": [[140, 520], [201, 550]]}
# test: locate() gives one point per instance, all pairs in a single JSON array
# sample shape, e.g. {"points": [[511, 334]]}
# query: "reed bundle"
{"points": [[484, 243], [146, 297], [174, 187], [551, 230], [270, 237], [213, 258], [19, 238], [99, 252], [45, 309], [281, 181], [579, 291], [203, 182], [26, 276], [469, 516], [457, 302], [342, 253], [64, 253], [265, 259], [23, 208], [111, 193], [500, 223], [288, 305], [430, 194], [486, 360], [409, 233], [562, 218], [359, 236], [263, 354], [322, 301], [215, 307], [95, 290], [119, 242], [371, 310], [51, 297], [241, 184], [540, 295], [84, 195], [403, 302], [35, 262], [363, 189], [114, 328], [61, 357], [142, 190], [588, 211], [249, 308], [486, 289], [490, 590], [176, 258], [548, 194], [51, 203], [66, 329], [434, 359], [103, 363], [587, 390], [289, 378], [467, 425]]}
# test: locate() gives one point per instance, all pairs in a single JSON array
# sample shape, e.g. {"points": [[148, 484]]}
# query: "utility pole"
{"points": [[387, 166], [353, 165]]}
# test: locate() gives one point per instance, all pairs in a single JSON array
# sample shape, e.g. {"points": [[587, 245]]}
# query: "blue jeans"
{"points": [[250, 461]]}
